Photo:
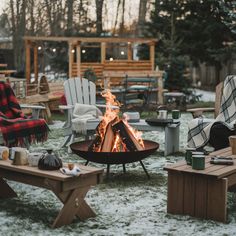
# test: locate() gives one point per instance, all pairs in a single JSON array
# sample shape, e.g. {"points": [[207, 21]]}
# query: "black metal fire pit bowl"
{"points": [[109, 158]]}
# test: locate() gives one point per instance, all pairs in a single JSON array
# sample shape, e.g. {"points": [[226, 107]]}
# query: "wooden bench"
{"points": [[117, 79], [201, 193], [71, 191]]}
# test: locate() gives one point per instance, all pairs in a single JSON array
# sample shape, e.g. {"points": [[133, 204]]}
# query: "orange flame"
{"points": [[112, 113]]}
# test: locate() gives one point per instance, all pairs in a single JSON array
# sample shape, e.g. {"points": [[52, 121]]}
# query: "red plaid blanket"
{"points": [[15, 127]]}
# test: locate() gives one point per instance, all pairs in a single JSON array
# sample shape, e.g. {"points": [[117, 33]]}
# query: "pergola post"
{"points": [[78, 58], [27, 63], [130, 53], [103, 52], [152, 55], [71, 57], [36, 63]]}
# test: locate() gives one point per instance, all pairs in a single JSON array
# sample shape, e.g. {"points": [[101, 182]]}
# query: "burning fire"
{"points": [[114, 134]]}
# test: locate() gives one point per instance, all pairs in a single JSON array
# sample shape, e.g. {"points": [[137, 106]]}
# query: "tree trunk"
{"points": [[32, 19], [99, 6], [49, 13], [122, 24], [117, 14], [70, 4], [142, 16]]}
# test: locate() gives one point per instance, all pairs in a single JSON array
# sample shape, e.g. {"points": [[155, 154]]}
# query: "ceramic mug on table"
{"points": [[176, 114], [20, 157], [162, 114]]}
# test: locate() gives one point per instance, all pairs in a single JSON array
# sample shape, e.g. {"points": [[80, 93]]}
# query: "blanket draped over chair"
{"points": [[82, 114], [15, 127], [199, 128]]}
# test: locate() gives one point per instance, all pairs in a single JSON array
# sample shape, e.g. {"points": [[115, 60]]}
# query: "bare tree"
{"points": [[141, 16], [122, 24], [70, 4], [117, 14], [99, 7]]}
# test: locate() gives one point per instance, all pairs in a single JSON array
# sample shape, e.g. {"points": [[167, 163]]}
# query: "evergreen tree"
{"points": [[192, 28]]}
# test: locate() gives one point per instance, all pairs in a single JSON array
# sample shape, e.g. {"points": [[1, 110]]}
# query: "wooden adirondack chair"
{"points": [[76, 91], [197, 112]]}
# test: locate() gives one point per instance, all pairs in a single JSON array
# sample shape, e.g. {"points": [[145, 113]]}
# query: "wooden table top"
{"points": [[7, 72], [51, 174], [218, 171]]}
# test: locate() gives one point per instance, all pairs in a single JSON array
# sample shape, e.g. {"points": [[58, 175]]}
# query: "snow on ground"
{"points": [[126, 204], [207, 96]]}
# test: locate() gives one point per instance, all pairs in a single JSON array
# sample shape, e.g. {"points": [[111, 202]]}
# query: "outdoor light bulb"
{"points": [[73, 50], [111, 59], [122, 53], [54, 49], [83, 51], [39, 47]]}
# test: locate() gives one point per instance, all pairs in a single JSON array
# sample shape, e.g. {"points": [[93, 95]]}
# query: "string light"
{"points": [[83, 51], [54, 49], [111, 59], [39, 47], [73, 50]]}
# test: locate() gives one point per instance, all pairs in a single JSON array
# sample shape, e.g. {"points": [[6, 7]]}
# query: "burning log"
{"points": [[109, 139], [127, 136], [114, 135], [104, 139]]}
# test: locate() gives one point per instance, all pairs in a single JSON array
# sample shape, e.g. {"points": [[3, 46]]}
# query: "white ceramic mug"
{"points": [[162, 114]]}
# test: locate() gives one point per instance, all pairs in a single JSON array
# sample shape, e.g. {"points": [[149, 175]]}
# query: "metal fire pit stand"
{"points": [[114, 158], [124, 169]]}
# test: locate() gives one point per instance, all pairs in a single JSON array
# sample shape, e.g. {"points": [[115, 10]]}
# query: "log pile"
{"points": [[116, 137]]}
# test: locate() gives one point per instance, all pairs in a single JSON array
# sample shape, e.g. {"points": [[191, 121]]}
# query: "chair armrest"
{"points": [[32, 106], [35, 109], [104, 106], [197, 112], [66, 107]]}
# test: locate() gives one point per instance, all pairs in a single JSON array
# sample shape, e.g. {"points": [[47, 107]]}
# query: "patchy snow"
{"points": [[207, 96], [126, 204]]}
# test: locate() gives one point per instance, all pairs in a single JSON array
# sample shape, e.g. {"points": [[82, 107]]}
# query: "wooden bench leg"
{"points": [[6, 190], [74, 205]]}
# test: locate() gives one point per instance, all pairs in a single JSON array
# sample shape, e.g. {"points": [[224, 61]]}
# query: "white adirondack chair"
{"points": [[76, 91]]}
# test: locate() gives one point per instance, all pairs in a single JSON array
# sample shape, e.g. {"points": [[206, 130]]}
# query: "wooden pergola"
{"points": [[76, 68]]}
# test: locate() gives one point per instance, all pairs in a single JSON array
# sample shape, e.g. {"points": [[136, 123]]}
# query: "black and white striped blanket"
{"points": [[199, 128]]}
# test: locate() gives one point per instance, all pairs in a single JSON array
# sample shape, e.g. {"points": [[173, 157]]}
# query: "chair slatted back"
{"points": [[80, 91]]}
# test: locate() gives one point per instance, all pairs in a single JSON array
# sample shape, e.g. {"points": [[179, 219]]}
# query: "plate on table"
{"points": [[158, 122]]}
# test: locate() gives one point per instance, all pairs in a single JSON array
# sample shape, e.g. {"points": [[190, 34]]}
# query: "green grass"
{"points": [[58, 116]]}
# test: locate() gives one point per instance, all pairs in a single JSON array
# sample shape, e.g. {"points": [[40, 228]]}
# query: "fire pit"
{"points": [[116, 142], [109, 158]]}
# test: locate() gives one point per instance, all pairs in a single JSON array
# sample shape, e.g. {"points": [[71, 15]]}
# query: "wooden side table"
{"points": [[201, 193]]}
